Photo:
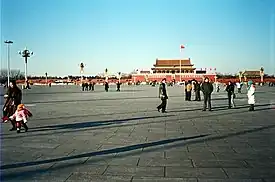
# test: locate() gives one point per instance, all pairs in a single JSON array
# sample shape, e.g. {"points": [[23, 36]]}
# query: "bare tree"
{"points": [[15, 74]]}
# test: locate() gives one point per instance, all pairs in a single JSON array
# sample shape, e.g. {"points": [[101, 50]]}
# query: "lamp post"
{"points": [[26, 54], [106, 75], [119, 76], [8, 42], [46, 74], [240, 76], [81, 71], [262, 75]]}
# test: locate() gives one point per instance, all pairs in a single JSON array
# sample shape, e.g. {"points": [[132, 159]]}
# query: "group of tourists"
{"points": [[88, 86], [106, 86], [207, 89], [13, 110], [16, 112]]}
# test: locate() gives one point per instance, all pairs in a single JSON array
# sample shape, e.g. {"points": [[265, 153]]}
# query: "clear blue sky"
{"points": [[123, 35]]}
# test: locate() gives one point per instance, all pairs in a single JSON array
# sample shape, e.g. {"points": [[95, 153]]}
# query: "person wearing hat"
{"points": [[251, 95], [207, 89], [163, 96]]}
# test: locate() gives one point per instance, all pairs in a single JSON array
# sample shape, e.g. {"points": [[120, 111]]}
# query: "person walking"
{"points": [[14, 98], [207, 89], [251, 95], [118, 86], [163, 96], [230, 94]]}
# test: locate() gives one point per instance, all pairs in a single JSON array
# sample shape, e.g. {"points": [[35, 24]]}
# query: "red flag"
{"points": [[182, 46]]}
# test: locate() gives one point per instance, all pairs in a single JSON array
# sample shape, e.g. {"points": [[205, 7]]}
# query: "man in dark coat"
{"points": [[106, 86], [197, 91], [207, 89], [230, 93], [93, 86], [118, 86], [163, 96]]}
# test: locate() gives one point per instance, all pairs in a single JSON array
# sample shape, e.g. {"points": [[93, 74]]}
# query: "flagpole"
{"points": [[180, 64]]}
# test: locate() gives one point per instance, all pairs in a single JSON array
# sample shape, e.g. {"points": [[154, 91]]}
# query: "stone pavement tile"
{"points": [[124, 161], [236, 156], [221, 149], [219, 163], [70, 167], [99, 160], [31, 173], [181, 149], [268, 180], [229, 180], [201, 155], [260, 163], [195, 172], [179, 154], [135, 171], [85, 177], [164, 162], [250, 173], [160, 179]]}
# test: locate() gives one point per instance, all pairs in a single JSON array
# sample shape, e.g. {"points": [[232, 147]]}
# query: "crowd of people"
{"points": [[207, 88], [16, 112]]}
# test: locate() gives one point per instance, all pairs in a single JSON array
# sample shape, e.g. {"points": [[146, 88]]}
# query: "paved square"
{"points": [[119, 136]]}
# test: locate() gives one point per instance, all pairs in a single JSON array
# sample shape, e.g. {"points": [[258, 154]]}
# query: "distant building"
{"points": [[172, 69]]}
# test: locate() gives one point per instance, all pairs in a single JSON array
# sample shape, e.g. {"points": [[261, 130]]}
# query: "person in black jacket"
{"points": [[14, 98], [207, 89], [230, 93], [163, 96], [197, 91], [106, 86], [118, 86]]}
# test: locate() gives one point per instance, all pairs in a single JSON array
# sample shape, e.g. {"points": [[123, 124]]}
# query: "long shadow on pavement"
{"points": [[155, 147], [94, 123], [234, 111], [114, 99], [143, 111]]}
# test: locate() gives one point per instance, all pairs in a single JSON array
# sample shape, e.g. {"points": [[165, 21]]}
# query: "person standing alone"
{"points": [[251, 95], [163, 96], [207, 89], [231, 95]]}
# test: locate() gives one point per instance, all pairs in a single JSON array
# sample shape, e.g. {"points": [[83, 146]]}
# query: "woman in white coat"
{"points": [[251, 95]]}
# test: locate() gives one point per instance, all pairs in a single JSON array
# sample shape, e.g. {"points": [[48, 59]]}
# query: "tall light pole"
{"points": [[26, 54], [8, 42], [46, 74], [81, 71], [106, 75], [119, 76]]}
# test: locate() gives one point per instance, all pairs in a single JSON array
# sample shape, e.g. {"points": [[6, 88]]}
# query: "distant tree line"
{"points": [[15, 74]]}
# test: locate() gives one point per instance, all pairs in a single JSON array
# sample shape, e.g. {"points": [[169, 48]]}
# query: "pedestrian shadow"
{"points": [[102, 152], [90, 124], [89, 115], [126, 124], [219, 108], [125, 151]]}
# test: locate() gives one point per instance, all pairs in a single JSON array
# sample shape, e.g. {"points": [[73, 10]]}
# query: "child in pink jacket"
{"points": [[21, 116]]}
